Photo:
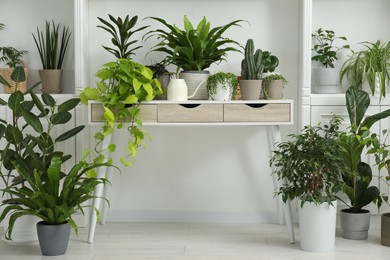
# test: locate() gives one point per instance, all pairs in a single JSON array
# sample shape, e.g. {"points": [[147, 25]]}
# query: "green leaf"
{"points": [[109, 116], [357, 102], [126, 162], [70, 133], [14, 100], [18, 74], [48, 99], [13, 135], [69, 104], [61, 117], [111, 148], [131, 99], [33, 121]]}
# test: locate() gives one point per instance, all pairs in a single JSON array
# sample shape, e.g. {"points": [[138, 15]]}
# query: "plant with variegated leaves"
{"points": [[122, 86]]}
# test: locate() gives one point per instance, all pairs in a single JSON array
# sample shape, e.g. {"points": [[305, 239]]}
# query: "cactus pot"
{"points": [[355, 225], [250, 89]]}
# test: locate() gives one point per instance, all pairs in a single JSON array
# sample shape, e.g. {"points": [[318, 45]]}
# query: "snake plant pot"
{"points": [[355, 225], [53, 239], [24, 231], [326, 80], [51, 81], [196, 82], [385, 229], [274, 89], [250, 89], [317, 226]]}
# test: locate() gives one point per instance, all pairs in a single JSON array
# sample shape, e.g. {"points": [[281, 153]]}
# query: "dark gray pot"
{"points": [[355, 225], [53, 239], [385, 229]]}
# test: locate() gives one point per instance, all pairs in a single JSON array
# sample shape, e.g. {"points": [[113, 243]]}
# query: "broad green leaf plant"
{"points": [[31, 164], [193, 48], [122, 86]]}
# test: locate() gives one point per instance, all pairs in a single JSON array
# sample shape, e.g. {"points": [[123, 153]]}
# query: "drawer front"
{"points": [[148, 113], [257, 112], [190, 113]]}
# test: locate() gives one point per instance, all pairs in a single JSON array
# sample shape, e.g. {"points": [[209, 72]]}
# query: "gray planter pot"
{"points": [[326, 81], [274, 89], [385, 229], [250, 89], [53, 239], [355, 225], [51, 81], [196, 82]]}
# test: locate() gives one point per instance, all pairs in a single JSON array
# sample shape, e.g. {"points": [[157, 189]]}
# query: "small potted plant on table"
{"points": [[221, 86], [273, 85]]}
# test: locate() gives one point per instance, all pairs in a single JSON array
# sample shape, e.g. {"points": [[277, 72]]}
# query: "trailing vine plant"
{"points": [[122, 86]]}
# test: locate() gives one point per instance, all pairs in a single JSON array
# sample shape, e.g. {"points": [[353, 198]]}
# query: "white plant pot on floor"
{"points": [[317, 225]]}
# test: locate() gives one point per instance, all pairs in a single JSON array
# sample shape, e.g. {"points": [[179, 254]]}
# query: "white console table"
{"points": [[269, 113]]}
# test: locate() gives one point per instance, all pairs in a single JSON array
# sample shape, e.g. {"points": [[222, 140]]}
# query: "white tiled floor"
{"points": [[193, 241]]}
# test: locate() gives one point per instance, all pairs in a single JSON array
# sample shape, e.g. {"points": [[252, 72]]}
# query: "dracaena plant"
{"points": [[32, 167], [122, 86], [193, 48], [120, 30]]}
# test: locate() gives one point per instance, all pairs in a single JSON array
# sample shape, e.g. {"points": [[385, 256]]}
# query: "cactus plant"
{"points": [[252, 65]]}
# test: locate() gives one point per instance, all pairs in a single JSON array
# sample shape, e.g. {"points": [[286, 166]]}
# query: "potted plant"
{"points": [[120, 30], [252, 67], [221, 86], [52, 44], [122, 86], [12, 58], [273, 85], [325, 79], [270, 62], [311, 165], [368, 68], [357, 176], [41, 188], [193, 50], [163, 76]]}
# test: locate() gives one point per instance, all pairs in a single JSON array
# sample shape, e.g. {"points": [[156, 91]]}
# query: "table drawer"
{"points": [[257, 112], [190, 113], [148, 113]]}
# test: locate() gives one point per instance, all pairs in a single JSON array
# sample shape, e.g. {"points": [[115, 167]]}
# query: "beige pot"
{"points": [[274, 89], [51, 81], [250, 89], [6, 74]]}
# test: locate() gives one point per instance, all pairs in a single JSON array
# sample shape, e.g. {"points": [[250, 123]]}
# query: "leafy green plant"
{"points": [[324, 48], [31, 167], [52, 44], [269, 61], [369, 65], [252, 66], [123, 85], [194, 48], [310, 163], [358, 174], [12, 57], [120, 30], [228, 80], [18, 75], [273, 77]]}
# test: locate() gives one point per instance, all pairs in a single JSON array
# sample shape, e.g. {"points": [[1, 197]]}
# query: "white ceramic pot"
{"points": [[325, 80], [317, 225], [223, 92]]}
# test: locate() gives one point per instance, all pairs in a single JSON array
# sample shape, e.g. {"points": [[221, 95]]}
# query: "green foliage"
{"points": [[120, 30], [369, 65], [51, 46], [252, 66], [269, 61], [273, 77], [17, 76], [194, 48], [358, 175], [11, 56], [228, 80], [123, 85], [310, 163], [324, 48], [32, 167]]}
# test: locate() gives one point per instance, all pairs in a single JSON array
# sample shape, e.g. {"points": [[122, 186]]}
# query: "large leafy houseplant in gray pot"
{"points": [[325, 77], [311, 165], [368, 69], [252, 67], [52, 44], [358, 174], [193, 50], [41, 187]]}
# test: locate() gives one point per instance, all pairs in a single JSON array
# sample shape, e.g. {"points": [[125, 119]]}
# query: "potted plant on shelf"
{"points": [[52, 44], [355, 220], [123, 85], [325, 78], [369, 68], [270, 62], [252, 67], [310, 163], [273, 85], [221, 86], [163, 76], [193, 50], [39, 185]]}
